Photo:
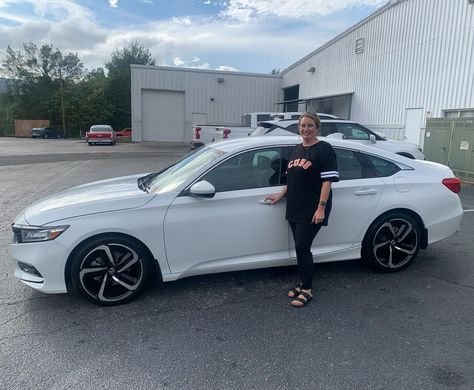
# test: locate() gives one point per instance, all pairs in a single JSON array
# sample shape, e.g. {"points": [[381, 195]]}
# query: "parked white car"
{"points": [[207, 214], [343, 129]]}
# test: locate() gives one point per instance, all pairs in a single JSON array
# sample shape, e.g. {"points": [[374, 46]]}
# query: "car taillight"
{"points": [[197, 133], [226, 133], [453, 183]]}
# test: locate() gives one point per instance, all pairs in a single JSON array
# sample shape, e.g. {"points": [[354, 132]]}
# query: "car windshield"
{"points": [[259, 130], [172, 177]]}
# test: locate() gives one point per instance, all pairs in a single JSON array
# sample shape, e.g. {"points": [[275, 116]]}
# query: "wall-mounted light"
{"points": [[220, 79], [212, 99], [311, 70]]}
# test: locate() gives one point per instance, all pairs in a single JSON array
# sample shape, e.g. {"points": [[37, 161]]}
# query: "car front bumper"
{"points": [[48, 258]]}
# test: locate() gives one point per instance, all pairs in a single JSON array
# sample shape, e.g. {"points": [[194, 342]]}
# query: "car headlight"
{"points": [[28, 233]]}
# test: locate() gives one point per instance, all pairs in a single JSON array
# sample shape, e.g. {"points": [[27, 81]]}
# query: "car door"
{"points": [[233, 230], [355, 198]]}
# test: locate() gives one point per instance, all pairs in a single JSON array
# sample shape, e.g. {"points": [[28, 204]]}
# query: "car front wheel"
{"points": [[111, 270], [392, 242]]}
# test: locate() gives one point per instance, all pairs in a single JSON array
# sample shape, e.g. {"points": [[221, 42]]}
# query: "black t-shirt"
{"points": [[307, 169]]}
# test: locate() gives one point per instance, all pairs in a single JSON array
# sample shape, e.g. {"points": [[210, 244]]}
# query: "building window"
{"points": [[461, 113], [360, 45]]}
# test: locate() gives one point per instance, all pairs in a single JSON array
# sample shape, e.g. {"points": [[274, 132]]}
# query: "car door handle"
{"points": [[366, 192], [265, 201]]}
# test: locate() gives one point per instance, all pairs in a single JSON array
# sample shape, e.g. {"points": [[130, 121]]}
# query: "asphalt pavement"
{"points": [[364, 330]]}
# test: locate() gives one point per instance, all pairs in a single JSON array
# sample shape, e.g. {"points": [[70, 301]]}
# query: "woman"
{"points": [[311, 170]]}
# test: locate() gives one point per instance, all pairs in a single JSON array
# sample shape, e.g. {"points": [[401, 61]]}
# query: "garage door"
{"points": [[163, 116]]}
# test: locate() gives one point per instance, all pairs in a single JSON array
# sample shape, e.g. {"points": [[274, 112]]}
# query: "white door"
{"points": [[163, 116], [414, 119], [232, 230]]}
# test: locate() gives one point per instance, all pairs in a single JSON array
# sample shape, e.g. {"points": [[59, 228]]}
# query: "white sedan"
{"points": [[207, 214]]}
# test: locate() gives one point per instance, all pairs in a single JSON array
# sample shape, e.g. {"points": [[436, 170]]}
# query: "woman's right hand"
{"points": [[275, 198]]}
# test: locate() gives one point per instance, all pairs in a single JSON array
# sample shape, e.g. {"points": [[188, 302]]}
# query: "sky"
{"points": [[234, 35]]}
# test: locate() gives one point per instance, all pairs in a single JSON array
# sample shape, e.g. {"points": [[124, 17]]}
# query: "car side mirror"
{"points": [[203, 189], [372, 138]]}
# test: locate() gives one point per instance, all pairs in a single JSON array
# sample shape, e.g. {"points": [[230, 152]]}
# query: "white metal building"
{"points": [[167, 101], [410, 60]]}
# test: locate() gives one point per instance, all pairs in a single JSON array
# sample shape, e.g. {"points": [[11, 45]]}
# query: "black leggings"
{"points": [[304, 235]]}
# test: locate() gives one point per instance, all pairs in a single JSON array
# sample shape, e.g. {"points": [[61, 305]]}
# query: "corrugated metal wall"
{"points": [[418, 54], [223, 96]]}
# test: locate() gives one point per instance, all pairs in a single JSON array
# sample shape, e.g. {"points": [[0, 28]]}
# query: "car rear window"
{"points": [[97, 129]]}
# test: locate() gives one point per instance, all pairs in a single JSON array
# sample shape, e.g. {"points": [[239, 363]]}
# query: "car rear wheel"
{"points": [[392, 242], [111, 270], [46, 136]]}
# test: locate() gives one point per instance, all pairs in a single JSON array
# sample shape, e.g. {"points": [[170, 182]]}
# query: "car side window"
{"points": [[352, 131], [293, 128], [253, 169], [348, 164], [380, 167], [325, 129]]}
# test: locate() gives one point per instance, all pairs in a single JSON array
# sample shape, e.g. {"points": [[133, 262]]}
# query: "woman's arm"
{"points": [[319, 214], [277, 197]]}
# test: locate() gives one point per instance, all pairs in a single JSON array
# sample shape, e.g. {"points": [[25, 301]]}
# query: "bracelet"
{"points": [[322, 203]]}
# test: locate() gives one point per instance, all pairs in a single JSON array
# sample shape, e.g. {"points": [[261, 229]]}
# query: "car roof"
{"points": [[240, 144]]}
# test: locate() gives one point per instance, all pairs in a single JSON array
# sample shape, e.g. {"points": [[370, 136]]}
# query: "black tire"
{"points": [[46, 136], [90, 143], [111, 270], [392, 242]]}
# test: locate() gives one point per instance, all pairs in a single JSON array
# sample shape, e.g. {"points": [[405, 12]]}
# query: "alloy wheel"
{"points": [[111, 272], [395, 243]]}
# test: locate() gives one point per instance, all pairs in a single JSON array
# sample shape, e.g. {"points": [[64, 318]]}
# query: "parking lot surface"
{"points": [[363, 330]]}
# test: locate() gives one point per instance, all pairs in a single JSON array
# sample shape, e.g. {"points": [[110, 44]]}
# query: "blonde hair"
{"points": [[311, 116]]}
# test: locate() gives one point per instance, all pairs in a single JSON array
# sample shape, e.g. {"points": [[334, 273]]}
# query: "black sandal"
{"points": [[295, 291], [305, 300]]}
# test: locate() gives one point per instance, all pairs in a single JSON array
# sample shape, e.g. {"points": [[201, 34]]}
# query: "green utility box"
{"points": [[451, 142]]}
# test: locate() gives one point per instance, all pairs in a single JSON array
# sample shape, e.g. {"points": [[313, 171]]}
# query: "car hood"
{"points": [[98, 197]]}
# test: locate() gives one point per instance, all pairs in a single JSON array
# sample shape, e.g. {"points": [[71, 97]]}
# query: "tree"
{"points": [[37, 75], [275, 71], [117, 90], [45, 63]]}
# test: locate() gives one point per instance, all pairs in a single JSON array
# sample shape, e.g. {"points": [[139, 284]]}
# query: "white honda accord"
{"points": [[207, 214]]}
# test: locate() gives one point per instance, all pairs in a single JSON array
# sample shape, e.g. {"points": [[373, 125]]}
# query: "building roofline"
{"points": [[386, 7], [208, 71]]}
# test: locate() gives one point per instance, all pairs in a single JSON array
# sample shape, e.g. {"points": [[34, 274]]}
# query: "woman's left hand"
{"points": [[318, 216]]}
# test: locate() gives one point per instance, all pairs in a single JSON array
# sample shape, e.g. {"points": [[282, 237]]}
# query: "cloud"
{"points": [[113, 3], [202, 41], [227, 68], [186, 21], [251, 10]]}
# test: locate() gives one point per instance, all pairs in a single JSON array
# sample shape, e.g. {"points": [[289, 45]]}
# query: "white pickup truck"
{"points": [[203, 134], [221, 134]]}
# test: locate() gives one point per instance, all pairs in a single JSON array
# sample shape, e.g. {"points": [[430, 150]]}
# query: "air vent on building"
{"points": [[360, 45]]}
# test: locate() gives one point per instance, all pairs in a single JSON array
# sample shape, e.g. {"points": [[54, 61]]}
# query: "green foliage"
{"points": [[118, 88], [93, 97]]}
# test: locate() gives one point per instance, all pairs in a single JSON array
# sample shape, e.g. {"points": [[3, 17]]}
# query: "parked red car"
{"points": [[101, 134], [127, 132]]}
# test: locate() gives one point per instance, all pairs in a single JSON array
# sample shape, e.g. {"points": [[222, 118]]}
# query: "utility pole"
{"points": [[62, 102]]}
